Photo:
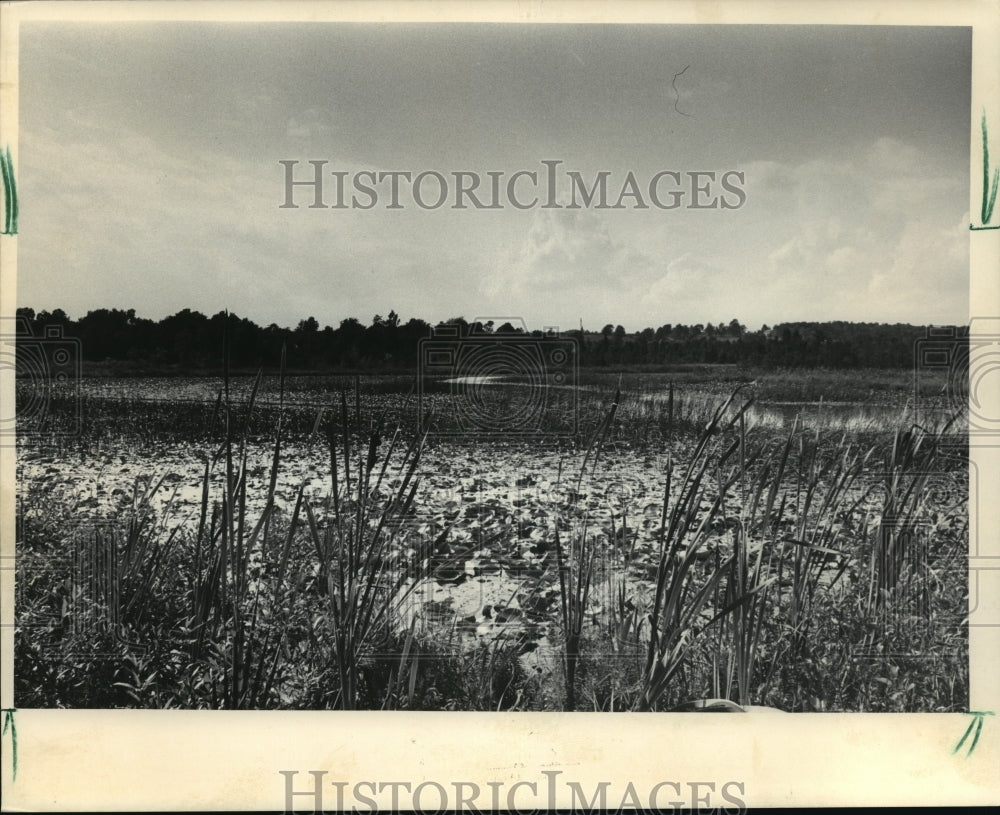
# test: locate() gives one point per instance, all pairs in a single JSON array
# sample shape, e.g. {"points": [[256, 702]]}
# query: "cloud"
{"points": [[689, 285], [917, 275], [144, 225], [150, 226], [568, 249], [312, 128], [874, 237]]}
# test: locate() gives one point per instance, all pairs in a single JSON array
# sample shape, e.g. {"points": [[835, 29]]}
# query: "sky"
{"points": [[150, 177]]}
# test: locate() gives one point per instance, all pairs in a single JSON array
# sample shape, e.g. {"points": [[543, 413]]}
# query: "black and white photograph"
{"points": [[583, 367]]}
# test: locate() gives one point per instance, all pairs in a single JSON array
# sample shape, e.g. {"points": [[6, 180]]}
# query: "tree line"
{"points": [[190, 341]]}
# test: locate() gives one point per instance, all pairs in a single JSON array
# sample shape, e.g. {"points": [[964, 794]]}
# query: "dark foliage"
{"points": [[189, 340]]}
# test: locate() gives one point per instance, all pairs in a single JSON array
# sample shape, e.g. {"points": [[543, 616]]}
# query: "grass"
{"points": [[575, 561], [675, 618], [363, 576], [768, 597], [809, 566]]}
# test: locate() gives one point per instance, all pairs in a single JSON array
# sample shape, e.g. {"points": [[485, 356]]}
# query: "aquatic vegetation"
{"points": [[763, 539]]}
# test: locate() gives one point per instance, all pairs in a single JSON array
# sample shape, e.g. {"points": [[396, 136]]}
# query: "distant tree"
{"points": [[56, 317], [417, 327], [460, 322], [189, 338]]}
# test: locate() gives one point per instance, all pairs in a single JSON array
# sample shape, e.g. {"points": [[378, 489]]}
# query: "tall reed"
{"points": [[229, 548], [575, 560], [368, 579], [682, 598]]}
